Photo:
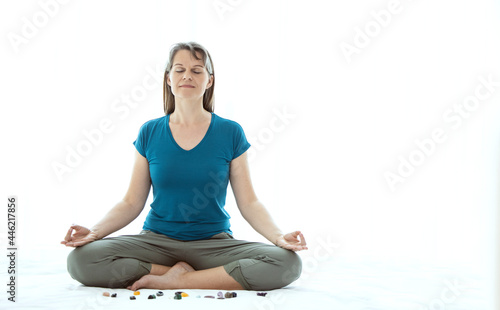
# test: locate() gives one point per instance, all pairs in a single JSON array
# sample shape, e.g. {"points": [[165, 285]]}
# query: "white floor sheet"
{"points": [[329, 283]]}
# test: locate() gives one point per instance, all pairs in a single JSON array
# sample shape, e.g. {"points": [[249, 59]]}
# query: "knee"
{"points": [[79, 264], [75, 265], [291, 267], [282, 268], [93, 265]]}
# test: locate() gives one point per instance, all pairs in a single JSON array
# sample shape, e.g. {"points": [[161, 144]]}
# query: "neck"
{"points": [[188, 112]]}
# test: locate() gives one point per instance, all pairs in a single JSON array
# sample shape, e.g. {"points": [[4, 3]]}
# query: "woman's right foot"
{"points": [[172, 279]]}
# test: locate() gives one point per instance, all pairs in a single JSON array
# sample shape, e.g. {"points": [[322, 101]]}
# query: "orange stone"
{"points": [[184, 294], [137, 293]]}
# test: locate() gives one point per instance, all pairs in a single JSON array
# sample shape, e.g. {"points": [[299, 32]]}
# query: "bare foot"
{"points": [[169, 280], [186, 266]]}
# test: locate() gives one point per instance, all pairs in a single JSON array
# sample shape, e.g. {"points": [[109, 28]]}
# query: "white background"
{"points": [[351, 118]]}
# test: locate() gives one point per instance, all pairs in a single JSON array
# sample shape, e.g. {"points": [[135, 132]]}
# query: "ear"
{"points": [[210, 81], [169, 82]]}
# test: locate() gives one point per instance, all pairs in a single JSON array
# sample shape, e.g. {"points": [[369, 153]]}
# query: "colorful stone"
{"points": [[209, 296], [178, 295], [160, 293], [137, 293], [113, 295], [184, 294], [132, 297], [105, 294], [234, 294], [228, 295], [263, 294], [152, 297]]}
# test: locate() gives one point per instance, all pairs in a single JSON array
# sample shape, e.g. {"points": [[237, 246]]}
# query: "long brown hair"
{"points": [[208, 96]]}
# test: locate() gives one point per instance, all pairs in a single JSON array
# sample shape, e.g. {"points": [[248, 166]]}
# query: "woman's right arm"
{"points": [[122, 214]]}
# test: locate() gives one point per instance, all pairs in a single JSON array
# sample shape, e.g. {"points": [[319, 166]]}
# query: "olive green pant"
{"points": [[118, 262]]}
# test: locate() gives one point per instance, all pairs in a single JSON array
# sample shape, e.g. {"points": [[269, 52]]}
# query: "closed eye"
{"points": [[195, 72]]}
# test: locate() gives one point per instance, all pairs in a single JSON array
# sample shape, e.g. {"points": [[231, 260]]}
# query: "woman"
{"points": [[188, 156]]}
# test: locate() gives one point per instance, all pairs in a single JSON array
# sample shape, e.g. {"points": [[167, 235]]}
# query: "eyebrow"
{"points": [[193, 66]]}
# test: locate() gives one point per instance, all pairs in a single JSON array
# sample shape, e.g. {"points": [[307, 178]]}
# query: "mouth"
{"points": [[187, 86]]}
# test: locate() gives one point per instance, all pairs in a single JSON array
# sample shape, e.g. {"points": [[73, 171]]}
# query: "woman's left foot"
{"points": [[169, 280]]}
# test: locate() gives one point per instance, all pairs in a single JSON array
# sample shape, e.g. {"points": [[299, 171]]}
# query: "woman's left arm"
{"points": [[254, 212]]}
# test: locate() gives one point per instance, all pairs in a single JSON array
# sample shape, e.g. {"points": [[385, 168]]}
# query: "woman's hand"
{"points": [[81, 236], [291, 242]]}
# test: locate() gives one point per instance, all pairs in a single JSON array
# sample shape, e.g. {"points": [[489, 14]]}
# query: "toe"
{"points": [[135, 286]]}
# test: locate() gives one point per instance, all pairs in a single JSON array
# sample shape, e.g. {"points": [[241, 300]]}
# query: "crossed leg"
{"points": [[143, 261], [182, 275]]}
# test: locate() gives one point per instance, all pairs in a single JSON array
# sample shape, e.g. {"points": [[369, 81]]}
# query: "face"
{"points": [[188, 77]]}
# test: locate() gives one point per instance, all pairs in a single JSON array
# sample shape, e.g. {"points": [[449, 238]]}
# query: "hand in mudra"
{"points": [[81, 236], [291, 241]]}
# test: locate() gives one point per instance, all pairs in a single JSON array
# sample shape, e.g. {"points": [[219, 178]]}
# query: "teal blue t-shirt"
{"points": [[189, 187]]}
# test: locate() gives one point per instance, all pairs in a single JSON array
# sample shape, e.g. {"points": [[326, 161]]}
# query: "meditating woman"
{"points": [[188, 156]]}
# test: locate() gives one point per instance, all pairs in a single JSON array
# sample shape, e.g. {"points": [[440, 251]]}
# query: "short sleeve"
{"points": [[140, 142], [240, 143]]}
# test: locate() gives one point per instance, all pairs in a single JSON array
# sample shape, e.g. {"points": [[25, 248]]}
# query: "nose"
{"points": [[187, 76]]}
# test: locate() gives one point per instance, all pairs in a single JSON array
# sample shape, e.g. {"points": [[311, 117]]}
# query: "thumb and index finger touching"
{"points": [[68, 239], [297, 234]]}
